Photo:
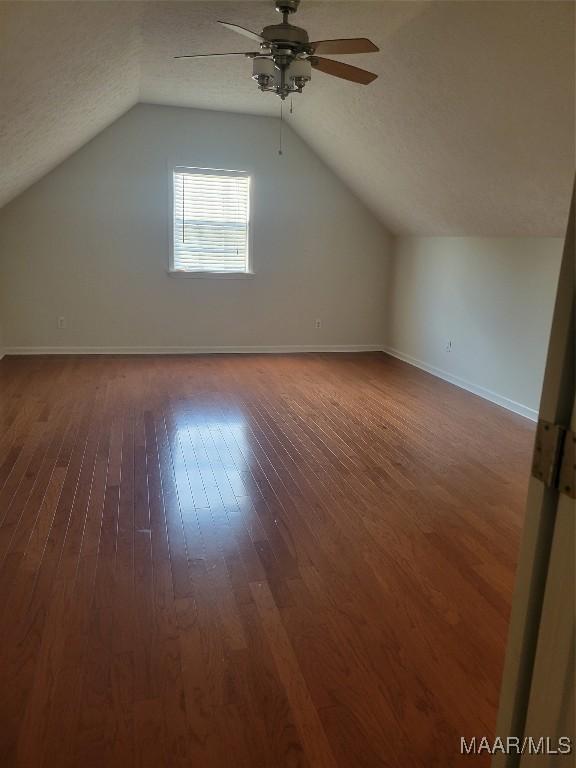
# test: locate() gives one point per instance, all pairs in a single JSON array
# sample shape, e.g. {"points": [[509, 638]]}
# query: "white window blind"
{"points": [[211, 220]]}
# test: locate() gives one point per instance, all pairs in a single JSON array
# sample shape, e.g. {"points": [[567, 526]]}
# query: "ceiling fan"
{"points": [[284, 63]]}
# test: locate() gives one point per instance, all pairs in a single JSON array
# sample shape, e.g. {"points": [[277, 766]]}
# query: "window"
{"points": [[211, 221]]}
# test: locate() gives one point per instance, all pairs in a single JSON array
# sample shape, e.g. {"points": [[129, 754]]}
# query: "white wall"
{"points": [[491, 297], [89, 242]]}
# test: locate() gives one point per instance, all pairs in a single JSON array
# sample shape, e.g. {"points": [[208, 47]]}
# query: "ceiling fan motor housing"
{"points": [[293, 37]]}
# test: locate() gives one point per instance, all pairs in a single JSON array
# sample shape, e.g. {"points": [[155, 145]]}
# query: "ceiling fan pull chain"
{"points": [[281, 122]]}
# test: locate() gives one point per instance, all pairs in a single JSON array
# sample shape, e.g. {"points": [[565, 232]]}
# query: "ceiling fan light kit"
{"points": [[284, 63], [290, 79]]}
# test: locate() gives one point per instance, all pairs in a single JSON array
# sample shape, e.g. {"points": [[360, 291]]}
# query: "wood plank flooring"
{"points": [[257, 561]]}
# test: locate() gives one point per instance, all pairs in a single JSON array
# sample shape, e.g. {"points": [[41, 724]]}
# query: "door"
{"points": [[536, 698], [551, 701]]}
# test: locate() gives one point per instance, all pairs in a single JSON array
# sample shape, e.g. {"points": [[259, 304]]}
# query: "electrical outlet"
{"points": [[61, 323], [317, 323], [449, 346]]}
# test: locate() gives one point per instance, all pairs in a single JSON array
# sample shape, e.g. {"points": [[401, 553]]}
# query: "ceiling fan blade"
{"points": [[249, 54], [345, 45], [345, 71], [242, 31]]}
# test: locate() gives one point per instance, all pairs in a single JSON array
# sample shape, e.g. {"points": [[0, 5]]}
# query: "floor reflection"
{"points": [[212, 456]]}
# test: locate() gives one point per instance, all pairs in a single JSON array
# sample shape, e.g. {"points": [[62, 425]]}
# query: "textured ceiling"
{"points": [[468, 130], [67, 70]]}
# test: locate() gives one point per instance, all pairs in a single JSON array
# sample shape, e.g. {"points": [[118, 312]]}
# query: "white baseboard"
{"points": [[190, 350], [487, 394]]}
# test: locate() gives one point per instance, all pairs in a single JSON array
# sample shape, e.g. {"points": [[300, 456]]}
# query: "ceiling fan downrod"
{"points": [[286, 7], [283, 69]]}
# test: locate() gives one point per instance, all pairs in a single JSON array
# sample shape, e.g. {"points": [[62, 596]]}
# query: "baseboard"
{"points": [[487, 394], [191, 350]]}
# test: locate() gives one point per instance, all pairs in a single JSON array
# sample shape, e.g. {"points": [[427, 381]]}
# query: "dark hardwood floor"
{"points": [[251, 561]]}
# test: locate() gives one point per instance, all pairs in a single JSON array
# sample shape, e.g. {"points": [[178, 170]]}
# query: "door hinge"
{"points": [[553, 460]]}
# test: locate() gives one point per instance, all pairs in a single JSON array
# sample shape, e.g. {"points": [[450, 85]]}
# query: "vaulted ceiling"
{"points": [[469, 128]]}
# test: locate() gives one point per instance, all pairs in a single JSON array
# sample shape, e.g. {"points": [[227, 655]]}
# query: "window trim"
{"points": [[204, 274]]}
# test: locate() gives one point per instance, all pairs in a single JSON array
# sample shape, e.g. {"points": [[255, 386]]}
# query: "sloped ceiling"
{"points": [[469, 128], [67, 70]]}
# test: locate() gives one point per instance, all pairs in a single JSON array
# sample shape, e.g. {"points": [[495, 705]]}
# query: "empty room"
{"points": [[287, 384]]}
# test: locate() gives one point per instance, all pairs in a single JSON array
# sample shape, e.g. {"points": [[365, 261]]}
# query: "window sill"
{"points": [[224, 275]]}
